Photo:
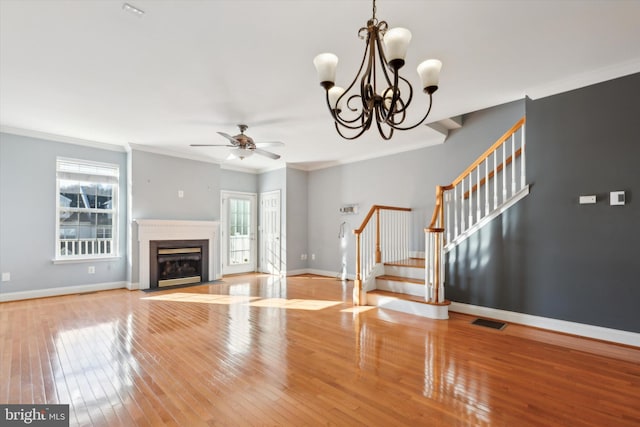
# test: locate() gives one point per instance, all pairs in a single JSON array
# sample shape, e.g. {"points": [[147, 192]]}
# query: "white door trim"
{"points": [[251, 266], [270, 240]]}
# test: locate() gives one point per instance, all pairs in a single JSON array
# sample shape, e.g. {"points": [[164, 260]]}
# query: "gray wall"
{"points": [[28, 215], [548, 255], [156, 180], [231, 180], [406, 179], [297, 218]]}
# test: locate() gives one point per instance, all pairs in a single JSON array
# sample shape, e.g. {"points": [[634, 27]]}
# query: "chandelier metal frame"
{"points": [[389, 106]]}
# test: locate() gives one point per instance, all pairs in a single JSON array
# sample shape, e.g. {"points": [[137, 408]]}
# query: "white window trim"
{"points": [[60, 259]]}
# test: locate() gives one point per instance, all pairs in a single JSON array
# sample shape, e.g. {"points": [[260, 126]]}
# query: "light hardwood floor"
{"points": [[260, 350]]}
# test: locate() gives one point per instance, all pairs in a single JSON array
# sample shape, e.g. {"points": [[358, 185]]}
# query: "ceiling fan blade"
{"points": [[211, 145], [269, 144], [229, 137], [267, 154]]}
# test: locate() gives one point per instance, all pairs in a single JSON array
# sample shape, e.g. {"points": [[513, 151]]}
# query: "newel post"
{"points": [[378, 251], [357, 284]]}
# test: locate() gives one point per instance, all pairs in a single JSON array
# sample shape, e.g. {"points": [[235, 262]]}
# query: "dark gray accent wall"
{"points": [[548, 255], [28, 216]]}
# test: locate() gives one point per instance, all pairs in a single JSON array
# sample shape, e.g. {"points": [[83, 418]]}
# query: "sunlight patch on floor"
{"points": [[296, 304], [359, 309], [203, 298]]}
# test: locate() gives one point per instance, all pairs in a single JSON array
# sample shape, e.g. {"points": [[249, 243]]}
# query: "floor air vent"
{"points": [[490, 324]]}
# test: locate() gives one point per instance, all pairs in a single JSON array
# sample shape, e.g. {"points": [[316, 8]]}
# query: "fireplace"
{"points": [[149, 230], [178, 262]]}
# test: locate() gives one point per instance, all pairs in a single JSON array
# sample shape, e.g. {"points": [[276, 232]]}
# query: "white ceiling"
{"points": [[91, 71]]}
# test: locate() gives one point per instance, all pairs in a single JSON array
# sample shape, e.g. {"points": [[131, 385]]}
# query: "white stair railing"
{"points": [[472, 200], [492, 183], [382, 237]]}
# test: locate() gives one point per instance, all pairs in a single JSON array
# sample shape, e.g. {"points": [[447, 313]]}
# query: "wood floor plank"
{"points": [[264, 350]]}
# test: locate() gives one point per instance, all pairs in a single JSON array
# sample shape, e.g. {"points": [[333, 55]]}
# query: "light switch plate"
{"points": [[587, 200], [616, 198]]}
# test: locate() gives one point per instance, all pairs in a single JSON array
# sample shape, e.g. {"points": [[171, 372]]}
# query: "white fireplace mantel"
{"points": [[162, 229]]}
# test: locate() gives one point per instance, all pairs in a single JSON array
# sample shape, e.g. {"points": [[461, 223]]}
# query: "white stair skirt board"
{"points": [[431, 311], [572, 328], [494, 214], [66, 290], [405, 271], [400, 287]]}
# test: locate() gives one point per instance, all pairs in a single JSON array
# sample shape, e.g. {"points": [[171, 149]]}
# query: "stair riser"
{"points": [[410, 307], [401, 287], [410, 272]]}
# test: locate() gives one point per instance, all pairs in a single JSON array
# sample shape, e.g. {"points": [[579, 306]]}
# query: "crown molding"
{"points": [[584, 79], [171, 153], [62, 138]]}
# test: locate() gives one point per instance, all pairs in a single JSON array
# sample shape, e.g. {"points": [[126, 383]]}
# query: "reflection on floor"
{"points": [[265, 350]]}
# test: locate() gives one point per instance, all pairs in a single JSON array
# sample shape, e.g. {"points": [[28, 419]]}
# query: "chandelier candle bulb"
{"points": [[334, 98], [396, 41], [429, 72], [326, 64]]}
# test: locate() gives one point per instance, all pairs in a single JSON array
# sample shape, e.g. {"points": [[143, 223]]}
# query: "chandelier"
{"points": [[388, 106]]}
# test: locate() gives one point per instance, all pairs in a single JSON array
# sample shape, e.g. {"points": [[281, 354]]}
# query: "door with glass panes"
{"points": [[238, 232]]}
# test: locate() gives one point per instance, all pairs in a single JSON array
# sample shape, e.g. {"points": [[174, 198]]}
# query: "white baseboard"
{"points": [[297, 272], [573, 328], [133, 286], [317, 272], [66, 290]]}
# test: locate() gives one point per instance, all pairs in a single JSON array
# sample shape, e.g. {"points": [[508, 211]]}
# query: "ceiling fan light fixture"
{"points": [[241, 153], [379, 92]]}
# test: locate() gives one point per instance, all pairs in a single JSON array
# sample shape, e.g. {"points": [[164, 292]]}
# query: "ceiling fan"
{"points": [[244, 146]]}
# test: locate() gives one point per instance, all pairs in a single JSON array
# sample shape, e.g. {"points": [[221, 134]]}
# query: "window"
{"points": [[87, 209]]}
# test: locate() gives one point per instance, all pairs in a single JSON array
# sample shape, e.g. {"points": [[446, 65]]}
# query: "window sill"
{"points": [[84, 259]]}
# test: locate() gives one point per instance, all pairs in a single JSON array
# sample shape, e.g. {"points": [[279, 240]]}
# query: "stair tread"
{"points": [[405, 297], [409, 262], [401, 279]]}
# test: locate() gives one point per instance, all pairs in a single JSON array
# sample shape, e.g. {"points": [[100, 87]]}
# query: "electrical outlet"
{"points": [[313, 256], [180, 194], [92, 269], [6, 277]]}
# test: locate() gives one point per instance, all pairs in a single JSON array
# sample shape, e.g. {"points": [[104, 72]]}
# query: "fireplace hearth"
{"points": [[177, 262]]}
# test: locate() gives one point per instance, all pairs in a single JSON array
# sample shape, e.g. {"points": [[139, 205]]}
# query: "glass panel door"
{"points": [[239, 222]]}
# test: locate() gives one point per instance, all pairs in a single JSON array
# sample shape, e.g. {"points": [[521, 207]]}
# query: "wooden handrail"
{"points": [[438, 211], [491, 149], [373, 209]]}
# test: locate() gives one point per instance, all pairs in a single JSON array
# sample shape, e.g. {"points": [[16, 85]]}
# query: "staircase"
{"points": [[402, 288], [388, 278]]}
